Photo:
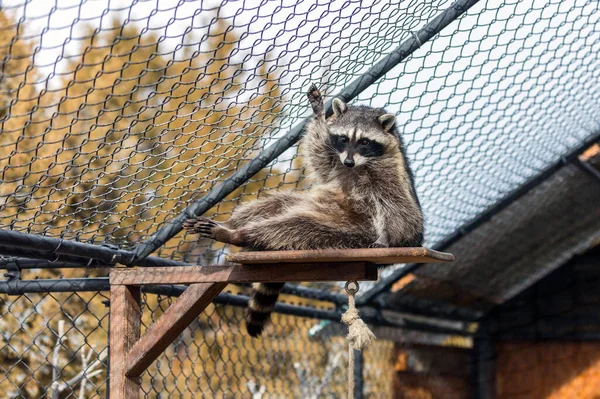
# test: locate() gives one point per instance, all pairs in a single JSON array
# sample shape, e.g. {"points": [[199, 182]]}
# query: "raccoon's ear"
{"points": [[339, 107], [387, 121]]}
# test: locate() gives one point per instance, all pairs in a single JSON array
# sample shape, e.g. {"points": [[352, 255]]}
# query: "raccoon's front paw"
{"points": [[315, 99], [201, 225]]}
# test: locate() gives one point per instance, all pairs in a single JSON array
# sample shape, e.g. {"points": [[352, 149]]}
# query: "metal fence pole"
{"points": [[359, 385], [484, 360], [371, 316]]}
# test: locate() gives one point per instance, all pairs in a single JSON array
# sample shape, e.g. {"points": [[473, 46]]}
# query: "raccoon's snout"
{"points": [[347, 158]]}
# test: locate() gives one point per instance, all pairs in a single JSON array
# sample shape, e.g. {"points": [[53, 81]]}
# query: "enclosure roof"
{"points": [[518, 246]]}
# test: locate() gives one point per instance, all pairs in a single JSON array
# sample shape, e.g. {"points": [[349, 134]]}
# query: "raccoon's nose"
{"points": [[349, 162]]}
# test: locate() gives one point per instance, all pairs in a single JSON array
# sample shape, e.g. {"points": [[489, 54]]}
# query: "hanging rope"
{"points": [[359, 334]]}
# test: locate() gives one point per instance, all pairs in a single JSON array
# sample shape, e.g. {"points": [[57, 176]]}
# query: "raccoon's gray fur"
{"points": [[363, 196]]}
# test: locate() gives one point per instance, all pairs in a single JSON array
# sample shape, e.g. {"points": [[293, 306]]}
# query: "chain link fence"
{"points": [[55, 346], [294, 358], [115, 118]]}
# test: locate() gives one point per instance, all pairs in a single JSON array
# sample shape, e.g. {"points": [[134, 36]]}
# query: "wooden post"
{"points": [[125, 321]]}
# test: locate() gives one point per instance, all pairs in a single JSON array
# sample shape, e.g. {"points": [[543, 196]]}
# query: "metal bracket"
{"points": [[13, 271]]}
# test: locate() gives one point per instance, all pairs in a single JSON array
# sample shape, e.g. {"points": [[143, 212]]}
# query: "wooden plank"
{"points": [[379, 256], [168, 327], [125, 321], [258, 273]]}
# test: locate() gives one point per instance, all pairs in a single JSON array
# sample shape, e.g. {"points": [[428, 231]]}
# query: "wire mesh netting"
{"points": [[54, 345], [115, 118], [294, 359]]}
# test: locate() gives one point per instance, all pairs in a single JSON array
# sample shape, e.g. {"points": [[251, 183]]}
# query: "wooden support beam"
{"points": [[258, 273], [125, 321], [172, 323], [131, 355]]}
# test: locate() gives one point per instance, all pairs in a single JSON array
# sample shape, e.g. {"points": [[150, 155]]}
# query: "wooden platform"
{"points": [[377, 256], [131, 354]]}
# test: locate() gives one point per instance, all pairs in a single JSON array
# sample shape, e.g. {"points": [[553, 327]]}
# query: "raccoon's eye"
{"points": [[343, 139], [363, 142]]}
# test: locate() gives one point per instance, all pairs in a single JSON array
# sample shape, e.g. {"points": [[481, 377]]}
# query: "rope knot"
{"points": [[350, 316], [359, 333]]}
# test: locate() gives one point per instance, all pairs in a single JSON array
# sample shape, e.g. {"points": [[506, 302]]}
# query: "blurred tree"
{"points": [[130, 136]]}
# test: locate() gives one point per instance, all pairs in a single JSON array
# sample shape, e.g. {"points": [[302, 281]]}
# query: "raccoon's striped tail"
{"points": [[261, 304]]}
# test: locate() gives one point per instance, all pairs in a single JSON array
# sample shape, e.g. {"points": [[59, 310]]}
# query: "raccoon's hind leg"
{"points": [[306, 231], [263, 208], [210, 229]]}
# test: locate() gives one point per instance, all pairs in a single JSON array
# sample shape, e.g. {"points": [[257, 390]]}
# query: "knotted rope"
{"points": [[359, 334]]}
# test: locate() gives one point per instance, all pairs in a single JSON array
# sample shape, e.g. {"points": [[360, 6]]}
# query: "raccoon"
{"points": [[362, 195]]}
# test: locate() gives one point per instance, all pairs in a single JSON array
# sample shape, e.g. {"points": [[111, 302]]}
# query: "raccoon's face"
{"points": [[355, 149], [360, 135]]}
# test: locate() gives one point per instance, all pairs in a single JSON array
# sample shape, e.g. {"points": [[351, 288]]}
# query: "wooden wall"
{"points": [[550, 370], [426, 372]]}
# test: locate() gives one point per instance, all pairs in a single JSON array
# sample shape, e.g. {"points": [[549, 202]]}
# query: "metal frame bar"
{"points": [[30, 264], [570, 337], [588, 169], [313, 293], [484, 365], [21, 287], [359, 386], [428, 308], [372, 316], [413, 306], [50, 248], [44, 257]]}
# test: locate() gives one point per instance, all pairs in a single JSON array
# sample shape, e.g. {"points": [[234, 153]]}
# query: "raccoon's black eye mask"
{"points": [[364, 147]]}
